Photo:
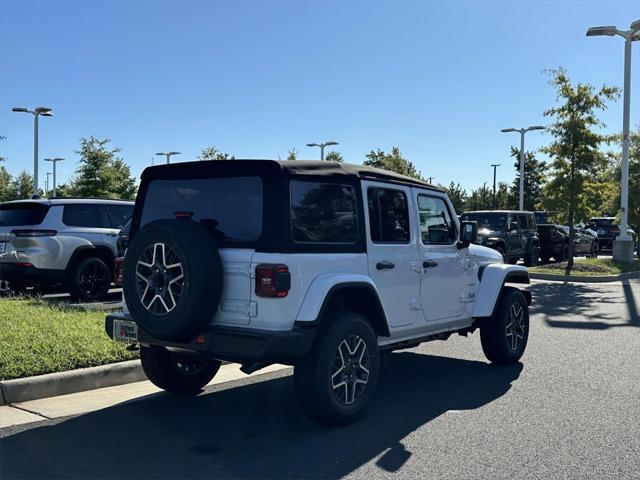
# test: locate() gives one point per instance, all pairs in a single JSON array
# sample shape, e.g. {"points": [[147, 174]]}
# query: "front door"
{"points": [[392, 251], [514, 238]]}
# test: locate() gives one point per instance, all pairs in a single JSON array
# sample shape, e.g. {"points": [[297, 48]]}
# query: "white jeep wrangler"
{"points": [[318, 265]]}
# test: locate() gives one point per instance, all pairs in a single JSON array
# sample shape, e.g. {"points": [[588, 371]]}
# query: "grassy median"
{"points": [[588, 267], [38, 337]]}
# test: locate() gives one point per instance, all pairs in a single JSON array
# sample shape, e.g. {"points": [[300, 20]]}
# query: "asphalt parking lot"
{"points": [[571, 409]]}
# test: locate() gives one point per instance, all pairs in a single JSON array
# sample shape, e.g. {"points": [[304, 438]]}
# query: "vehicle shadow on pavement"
{"points": [[254, 431], [580, 305]]}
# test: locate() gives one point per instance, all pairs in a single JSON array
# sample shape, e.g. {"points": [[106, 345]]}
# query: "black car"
{"points": [[607, 230], [554, 242], [512, 233]]}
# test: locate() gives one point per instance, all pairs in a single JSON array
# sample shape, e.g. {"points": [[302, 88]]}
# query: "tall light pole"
{"points": [[54, 161], [522, 131], [623, 244], [45, 112], [322, 145], [494, 165], [168, 155], [46, 184]]}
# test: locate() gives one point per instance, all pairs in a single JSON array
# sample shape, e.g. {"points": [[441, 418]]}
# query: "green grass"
{"points": [[38, 337], [589, 267]]}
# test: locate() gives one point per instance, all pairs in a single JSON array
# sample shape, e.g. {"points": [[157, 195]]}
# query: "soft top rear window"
{"points": [[21, 214], [230, 205]]}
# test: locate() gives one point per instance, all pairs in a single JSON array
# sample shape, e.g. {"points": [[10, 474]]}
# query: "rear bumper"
{"points": [[21, 274], [236, 344]]}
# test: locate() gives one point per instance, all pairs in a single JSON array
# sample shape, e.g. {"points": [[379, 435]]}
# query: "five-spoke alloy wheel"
{"points": [[504, 336], [159, 278]]}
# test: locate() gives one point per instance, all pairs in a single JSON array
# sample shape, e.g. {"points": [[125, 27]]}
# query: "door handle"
{"points": [[385, 265], [429, 264]]}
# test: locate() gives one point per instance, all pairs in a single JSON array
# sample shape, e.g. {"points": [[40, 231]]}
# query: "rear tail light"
{"points": [[22, 264], [272, 280], [118, 270], [34, 233], [615, 229]]}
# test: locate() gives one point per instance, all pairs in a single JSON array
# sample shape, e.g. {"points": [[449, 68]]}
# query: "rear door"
{"points": [[514, 239], [392, 251]]}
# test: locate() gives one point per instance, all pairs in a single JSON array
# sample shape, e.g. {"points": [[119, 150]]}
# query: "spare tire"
{"points": [[172, 279]]}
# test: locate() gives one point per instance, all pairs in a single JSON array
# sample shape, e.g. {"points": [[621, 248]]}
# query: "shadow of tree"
{"points": [[254, 431]]}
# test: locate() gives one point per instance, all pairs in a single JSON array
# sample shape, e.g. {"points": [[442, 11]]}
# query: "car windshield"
{"points": [[19, 214], [492, 221], [232, 206]]}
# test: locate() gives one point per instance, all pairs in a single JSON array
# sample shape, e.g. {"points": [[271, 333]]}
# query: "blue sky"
{"points": [[255, 78]]}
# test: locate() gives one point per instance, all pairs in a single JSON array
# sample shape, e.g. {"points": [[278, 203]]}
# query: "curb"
{"points": [[62, 383], [584, 278]]}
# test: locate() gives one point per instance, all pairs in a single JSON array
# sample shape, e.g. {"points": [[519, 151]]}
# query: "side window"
{"points": [[80, 216], [523, 222], [388, 216], [323, 213], [513, 223], [119, 214], [436, 226], [531, 222]]}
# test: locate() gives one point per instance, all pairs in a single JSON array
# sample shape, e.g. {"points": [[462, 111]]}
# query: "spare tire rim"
{"points": [[350, 370], [159, 279], [516, 326]]}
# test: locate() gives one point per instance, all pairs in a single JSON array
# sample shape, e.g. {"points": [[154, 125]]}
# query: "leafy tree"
{"points": [[393, 161], [457, 195], [502, 197], [534, 179], [574, 152], [101, 172], [480, 199], [2, 137], [5, 184], [21, 186], [212, 153], [292, 154], [334, 157]]}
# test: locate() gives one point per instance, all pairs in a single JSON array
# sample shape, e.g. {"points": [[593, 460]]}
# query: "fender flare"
{"points": [[492, 280]]}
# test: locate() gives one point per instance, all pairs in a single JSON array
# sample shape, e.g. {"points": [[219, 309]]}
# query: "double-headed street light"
{"points": [[168, 155], [322, 145], [623, 244], [522, 131], [54, 161], [45, 112]]}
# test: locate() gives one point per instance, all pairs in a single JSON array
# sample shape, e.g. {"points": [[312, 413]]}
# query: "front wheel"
{"points": [[337, 380], [504, 336], [177, 372]]}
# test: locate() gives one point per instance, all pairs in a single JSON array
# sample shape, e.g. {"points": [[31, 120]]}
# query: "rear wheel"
{"points": [[545, 258], [177, 372], [90, 280], [336, 381], [504, 336]]}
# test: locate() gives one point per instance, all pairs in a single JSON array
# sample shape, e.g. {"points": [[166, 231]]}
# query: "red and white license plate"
{"points": [[125, 331]]}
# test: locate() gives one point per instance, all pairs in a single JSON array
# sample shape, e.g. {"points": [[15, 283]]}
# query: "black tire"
{"points": [[533, 257], [594, 250], [564, 253], [180, 283], [90, 280], [545, 258], [177, 372], [497, 333], [327, 402]]}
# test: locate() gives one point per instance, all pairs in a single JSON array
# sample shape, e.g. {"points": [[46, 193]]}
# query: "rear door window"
{"points": [[18, 214], [81, 216], [523, 222], [119, 215], [323, 213], [388, 216]]}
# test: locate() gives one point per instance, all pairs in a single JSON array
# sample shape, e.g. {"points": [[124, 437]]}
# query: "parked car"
{"points": [[554, 242], [607, 230], [511, 233], [122, 241], [69, 242], [318, 265]]}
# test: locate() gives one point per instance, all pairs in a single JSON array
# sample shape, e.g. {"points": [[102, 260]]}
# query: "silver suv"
{"points": [[69, 242]]}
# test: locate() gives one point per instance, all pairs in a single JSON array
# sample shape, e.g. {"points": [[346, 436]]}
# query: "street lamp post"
{"points": [[522, 131], [168, 155], [494, 165], [46, 184], [45, 112], [623, 244], [54, 161], [322, 145]]}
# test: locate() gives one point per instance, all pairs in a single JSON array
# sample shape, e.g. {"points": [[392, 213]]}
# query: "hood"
{"points": [[484, 255]]}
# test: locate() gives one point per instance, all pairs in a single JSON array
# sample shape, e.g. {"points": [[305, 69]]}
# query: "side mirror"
{"points": [[468, 233]]}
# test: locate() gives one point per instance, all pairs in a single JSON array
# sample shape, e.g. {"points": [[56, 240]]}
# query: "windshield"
{"points": [[19, 214], [492, 221], [232, 206]]}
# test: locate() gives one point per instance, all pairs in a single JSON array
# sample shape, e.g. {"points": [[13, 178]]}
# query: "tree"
{"points": [[5, 184], [502, 197], [457, 195], [534, 179], [575, 150], [292, 154], [393, 161], [480, 199], [101, 173], [21, 186], [334, 157], [212, 153]]}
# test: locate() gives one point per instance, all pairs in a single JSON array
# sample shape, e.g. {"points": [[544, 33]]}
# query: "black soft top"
{"points": [[279, 167]]}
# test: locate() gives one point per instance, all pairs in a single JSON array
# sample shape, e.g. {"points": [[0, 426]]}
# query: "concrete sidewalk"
{"points": [[88, 401]]}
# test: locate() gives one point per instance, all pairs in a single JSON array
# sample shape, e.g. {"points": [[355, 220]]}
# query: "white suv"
{"points": [[319, 265], [64, 241]]}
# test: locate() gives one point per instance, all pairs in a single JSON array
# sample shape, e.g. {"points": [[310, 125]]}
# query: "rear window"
{"points": [[323, 213], [18, 214], [232, 205]]}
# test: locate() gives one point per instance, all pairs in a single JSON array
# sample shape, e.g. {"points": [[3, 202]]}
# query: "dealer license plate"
{"points": [[125, 331]]}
